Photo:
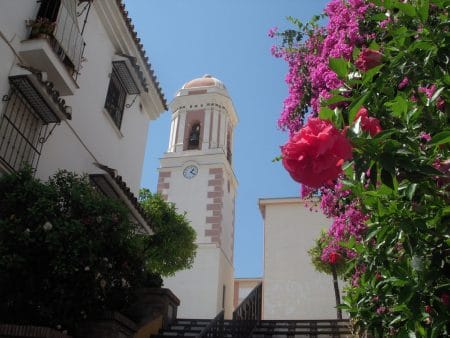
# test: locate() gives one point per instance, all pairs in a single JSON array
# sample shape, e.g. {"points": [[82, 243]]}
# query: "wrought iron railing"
{"points": [[248, 313], [22, 133], [68, 43], [215, 327], [115, 99]]}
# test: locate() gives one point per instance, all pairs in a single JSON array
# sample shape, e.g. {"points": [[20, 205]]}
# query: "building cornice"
{"points": [[263, 202]]}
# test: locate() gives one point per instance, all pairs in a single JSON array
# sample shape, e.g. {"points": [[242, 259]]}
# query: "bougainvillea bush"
{"points": [[368, 120]]}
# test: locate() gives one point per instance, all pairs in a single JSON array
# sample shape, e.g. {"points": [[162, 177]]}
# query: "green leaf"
{"points": [[410, 190], [446, 211], [423, 9], [368, 76], [423, 45], [395, 320], [326, 113], [356, 127], [340, 67], [354, 107], [412, 334], [399, 106], [441, 138], [417, 263], [401, 308], [386, 178], [336, 99], [409, 10], [436, 94], [385, 134], [387, 162]]}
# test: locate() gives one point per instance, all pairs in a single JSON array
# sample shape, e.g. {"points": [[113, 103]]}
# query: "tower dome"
{"points": [[205, 81]]}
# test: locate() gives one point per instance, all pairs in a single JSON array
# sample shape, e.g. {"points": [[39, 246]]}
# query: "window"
{"points": [[229, 153], [224, 289], [115, 99], [22, 133], [194, 137]]}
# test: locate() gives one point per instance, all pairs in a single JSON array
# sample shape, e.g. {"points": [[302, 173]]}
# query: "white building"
{"points": [[196, 174], [292, 288], [77, 93]]}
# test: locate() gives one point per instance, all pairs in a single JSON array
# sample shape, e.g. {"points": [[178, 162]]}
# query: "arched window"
{"points": [[194, 136]]}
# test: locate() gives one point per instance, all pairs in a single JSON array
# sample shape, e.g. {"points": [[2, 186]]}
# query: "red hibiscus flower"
{"points": [[368, 124], [314, 155], [334, 257], [368, 59]]}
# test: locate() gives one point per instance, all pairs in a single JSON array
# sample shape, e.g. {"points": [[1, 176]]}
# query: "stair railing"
{"points": [[248, 313], [214, 329]]}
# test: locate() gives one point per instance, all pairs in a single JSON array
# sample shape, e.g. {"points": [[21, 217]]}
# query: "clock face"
{"points": [[190, 171]]}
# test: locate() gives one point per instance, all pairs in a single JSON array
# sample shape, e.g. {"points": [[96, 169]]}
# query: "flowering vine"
{"points": [[368, 118]]}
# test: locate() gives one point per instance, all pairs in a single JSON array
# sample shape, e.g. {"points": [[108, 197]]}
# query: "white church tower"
{"points": [[196, 174]]}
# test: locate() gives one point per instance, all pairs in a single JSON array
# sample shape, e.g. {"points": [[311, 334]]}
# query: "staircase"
{"points": [[247, 323], [302, 328], [184, 328], [264, 329]]}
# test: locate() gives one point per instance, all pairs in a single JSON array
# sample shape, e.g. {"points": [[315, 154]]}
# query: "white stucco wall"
{"points": [[197, 288], [226, 273], [189, 194], [12, 27], [292, 288], [122, 150], [91, 135]]}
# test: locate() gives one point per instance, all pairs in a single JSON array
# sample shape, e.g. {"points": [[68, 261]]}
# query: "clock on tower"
{"points": [[196, 173]]}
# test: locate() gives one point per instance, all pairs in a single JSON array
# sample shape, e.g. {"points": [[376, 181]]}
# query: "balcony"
{"points": [[30, 108], [55, 44]]}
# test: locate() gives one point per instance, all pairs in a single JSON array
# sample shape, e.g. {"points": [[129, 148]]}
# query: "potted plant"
{"points": [[41, 26]]}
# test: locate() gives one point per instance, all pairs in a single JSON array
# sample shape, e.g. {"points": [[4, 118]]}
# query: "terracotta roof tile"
{"points": [[140, 47]]}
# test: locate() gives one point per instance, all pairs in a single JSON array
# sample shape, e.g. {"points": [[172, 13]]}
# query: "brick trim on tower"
{"points": [[163, 183], [214, 207]]}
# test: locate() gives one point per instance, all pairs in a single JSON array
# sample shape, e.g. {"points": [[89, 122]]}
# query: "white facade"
{"points": [[196, 174], [81, 65], [292, 288]]}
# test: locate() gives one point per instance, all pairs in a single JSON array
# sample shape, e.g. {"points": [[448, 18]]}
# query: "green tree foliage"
{"points": [[172, 246], [67, 253]]}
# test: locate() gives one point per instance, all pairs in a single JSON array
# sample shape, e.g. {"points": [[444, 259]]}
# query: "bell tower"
{"points": [[196, 173]]}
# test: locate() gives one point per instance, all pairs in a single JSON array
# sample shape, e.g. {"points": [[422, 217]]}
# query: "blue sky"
{"points": [[186, 39]]}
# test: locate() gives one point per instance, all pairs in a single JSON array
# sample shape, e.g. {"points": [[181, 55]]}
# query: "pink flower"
{"points": [[403, 83], [368, 59], [368, 124], [445, 298], [425, 136], [428, 90], [314, 155], [440, 104], [381, 310], [444, 167], [427, 308], [272, 32]]}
